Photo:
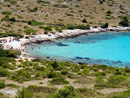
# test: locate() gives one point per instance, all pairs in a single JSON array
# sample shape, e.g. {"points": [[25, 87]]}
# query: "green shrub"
{"points": [[35, 23], [69, 14], [55, 65], [100, 73], [29, 31], [39, 1], [76, 68], [124, 21], [36, 60], [127, 70], [79, 27], [3, 72], [17, 35], [25, 93], [99, 79], [105, 25], [64, 6], [35, 9], [101, 1], [2, 85], [109, 13], [86, 92], [6, 13], [53, 74], [13, 2], [86, 71], [105, 85], [14, 53], [95, 69], [42, 89], [66, 92], [115, 80], [84, 21], [48, 28], [22, 75], [59, 81], [12, 19], [6, 18], [124, 94], [64, 72]]}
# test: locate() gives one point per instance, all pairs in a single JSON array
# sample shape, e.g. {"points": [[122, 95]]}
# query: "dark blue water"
{"points": [[109, 48]]}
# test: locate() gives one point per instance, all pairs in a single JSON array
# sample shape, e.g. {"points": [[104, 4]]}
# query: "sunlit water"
{"points": [[110, 48]]}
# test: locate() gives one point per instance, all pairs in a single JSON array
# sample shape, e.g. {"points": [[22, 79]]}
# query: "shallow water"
{"points": [[109, 48]]}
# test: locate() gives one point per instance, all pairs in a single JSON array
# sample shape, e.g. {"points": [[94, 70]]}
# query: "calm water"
{"points": [[106, 48]]}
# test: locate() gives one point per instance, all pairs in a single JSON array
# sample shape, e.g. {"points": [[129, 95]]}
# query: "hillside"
{"points": [[16, 15], [52, 79]]}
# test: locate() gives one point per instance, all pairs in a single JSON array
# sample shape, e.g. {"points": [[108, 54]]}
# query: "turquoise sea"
{"points": [[111, 48]]}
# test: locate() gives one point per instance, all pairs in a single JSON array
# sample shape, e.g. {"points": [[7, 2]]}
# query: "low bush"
{"points": [[100, 73], [59, 81], [2, 85], [53, 74], [48, 28], [124, 94], [25, 93], [86, 92], [21, 76], [17, 35], [86, 71], [37, 89], [124, 21], [3, 72], [105, 25], [35, 9], [6, 13], [30, 31], [66, 92], [116, 80], [78, 27], [109, 13], [6, 18], [35, 23]]}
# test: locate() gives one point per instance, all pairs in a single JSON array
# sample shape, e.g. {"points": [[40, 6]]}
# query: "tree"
{"points": [[109, 13], [124, 21], [101, 1], [13, 19], [55, 65], [84, 21], [105, 25]]}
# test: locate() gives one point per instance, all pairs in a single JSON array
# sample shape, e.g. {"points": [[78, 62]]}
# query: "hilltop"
{"points": [[30, 16]]}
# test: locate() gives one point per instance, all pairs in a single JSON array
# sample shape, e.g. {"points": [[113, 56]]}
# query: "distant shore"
{"points": [[21, 43]]}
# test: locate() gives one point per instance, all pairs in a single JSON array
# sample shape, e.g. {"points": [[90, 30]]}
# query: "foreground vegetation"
{"points": [[53, 79]]}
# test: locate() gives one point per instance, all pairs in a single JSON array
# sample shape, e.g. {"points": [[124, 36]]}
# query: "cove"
{"points": [[110, 48]]}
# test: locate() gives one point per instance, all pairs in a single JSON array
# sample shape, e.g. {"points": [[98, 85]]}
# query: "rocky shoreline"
{"points": [[72, 34]]}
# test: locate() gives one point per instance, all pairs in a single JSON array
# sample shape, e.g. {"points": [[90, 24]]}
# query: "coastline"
{"points": [[21, 44], [72, 34]]}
